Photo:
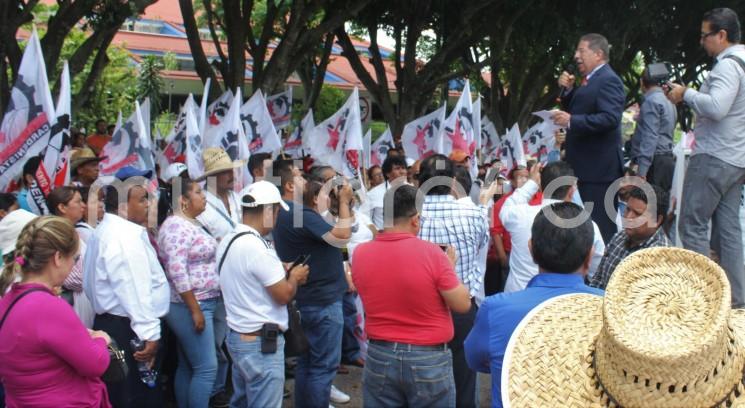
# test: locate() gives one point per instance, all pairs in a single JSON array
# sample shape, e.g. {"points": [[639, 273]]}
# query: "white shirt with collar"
{"points": [[483, 252], [594, 70], [216, 218], [517, 217], [251, 265], [122, 276], [373, 208]]}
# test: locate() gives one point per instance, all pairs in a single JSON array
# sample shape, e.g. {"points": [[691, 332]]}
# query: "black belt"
{"points": [[408, 347], [668, 154]]}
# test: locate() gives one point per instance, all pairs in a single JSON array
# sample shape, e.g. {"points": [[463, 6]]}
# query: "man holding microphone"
{"points": [[592, 115]]}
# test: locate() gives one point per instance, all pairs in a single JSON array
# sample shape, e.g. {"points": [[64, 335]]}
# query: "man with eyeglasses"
{"points": [[713, 181], [592, 114]]}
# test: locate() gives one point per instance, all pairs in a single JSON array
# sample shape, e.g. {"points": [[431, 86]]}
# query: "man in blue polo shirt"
{"points": [[302, 231], [563, 252]]}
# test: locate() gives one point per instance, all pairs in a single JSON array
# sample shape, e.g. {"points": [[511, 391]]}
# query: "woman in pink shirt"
{"points": [[49, 359]]}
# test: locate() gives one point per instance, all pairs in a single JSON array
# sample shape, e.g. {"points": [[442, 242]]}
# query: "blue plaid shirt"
{"points": [[446, 222]]}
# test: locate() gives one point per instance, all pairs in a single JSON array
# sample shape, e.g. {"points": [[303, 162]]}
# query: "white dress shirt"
{"points": [[122, 276], [373, 207], [251, 265], [216, 218], [517, 217]]}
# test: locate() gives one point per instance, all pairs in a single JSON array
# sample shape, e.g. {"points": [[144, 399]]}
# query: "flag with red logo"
{"points": [[216, 112], [280, 108], [420, 136], [54, 170], [29, 115], [337, 141], [379, 149], [458, 132], [258, 126], [175, 150], [489, 141], [129, 146], [511, 152], [296, 142]]}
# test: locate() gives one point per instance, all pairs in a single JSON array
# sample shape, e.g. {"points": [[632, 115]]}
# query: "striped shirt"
{"points": [[446, 222]]}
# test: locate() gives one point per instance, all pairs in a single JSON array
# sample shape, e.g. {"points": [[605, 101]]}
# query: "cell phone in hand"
{"points": [[300, 260]]}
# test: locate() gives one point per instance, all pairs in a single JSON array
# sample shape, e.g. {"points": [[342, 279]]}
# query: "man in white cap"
{"points": [[256, 289], [223, 210]]}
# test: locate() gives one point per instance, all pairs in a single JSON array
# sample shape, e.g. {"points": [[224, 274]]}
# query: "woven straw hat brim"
{"points": [[74, 164], [222, 168], [548, 362]]}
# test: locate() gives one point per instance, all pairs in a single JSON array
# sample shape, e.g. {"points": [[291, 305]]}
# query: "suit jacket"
{"points": [[593, 144]]}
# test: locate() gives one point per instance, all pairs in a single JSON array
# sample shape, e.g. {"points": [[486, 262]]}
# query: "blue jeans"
{"points": [[258, 378], [316, 368], [417, 378], [197, 360], [350, 348]]}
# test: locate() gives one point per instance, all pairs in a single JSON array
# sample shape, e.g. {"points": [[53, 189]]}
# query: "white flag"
{"points": [[477, 121], [511, 150], [489, 141], [232, 137], [175, 150], [539, 140], [458, 131], [295, 143], [216, 112], [379, 149], [280, 108], [129, 146], [27, 124], [54, 170], [202, 117], [366, 148], [194, 162], [258, 127], [145, 115], [337, 141], [420, 136]]}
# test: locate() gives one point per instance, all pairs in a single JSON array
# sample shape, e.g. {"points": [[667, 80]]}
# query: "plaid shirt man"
{"points": [[444, 221], [618, 249]]}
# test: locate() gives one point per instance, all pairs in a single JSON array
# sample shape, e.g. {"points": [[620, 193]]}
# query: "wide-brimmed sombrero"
{"points": [[664, 335], [216, 160]]}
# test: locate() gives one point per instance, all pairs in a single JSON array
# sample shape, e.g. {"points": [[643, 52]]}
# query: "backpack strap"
{"points": [[5, 316], [738, 60], [236, 236]]}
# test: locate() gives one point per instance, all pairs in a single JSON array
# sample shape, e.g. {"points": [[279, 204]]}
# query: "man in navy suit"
{"points": [[592, 113]]}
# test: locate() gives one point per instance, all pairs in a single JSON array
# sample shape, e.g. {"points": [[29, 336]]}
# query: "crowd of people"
{"points": [[194, 282]]}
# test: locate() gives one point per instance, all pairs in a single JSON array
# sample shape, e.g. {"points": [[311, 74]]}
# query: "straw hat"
{"points": [[663, 336], [81, 156], [216, 160]]}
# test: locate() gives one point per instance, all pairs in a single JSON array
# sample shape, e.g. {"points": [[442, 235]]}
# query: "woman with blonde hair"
{"points": [[49, 357]]}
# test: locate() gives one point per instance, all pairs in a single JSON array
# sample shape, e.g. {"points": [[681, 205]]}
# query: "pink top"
{"points": [[48, 357], [188, 256]]}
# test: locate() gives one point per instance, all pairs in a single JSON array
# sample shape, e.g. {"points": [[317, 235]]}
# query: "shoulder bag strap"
{"points": [[238, 235], [225, 216], [16, 301], [738, 60]]}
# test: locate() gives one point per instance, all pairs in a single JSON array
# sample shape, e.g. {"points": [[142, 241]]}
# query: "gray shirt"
{"points": [[654, 130], [720, 110]]}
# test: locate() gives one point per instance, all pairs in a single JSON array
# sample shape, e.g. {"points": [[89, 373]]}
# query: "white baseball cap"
{"points": [[262, 192], [10, 228], [173, 170]]}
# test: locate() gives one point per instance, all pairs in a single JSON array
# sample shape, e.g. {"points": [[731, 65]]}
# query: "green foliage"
{"points": [[169, 61], [163, 124], [149, 83], [329, 101], [377, 128]]}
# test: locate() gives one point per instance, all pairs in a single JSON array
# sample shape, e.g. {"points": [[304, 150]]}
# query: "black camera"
{"points": [[657, 73]]}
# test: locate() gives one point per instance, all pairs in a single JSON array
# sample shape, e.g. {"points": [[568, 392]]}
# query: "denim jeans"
{"points": [[350, 348], [258, 378], [316, 368], [398, 378], [197, 360], [221, 333]]}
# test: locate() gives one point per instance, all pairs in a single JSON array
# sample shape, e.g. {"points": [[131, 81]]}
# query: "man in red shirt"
{"points": [[408, 288]]}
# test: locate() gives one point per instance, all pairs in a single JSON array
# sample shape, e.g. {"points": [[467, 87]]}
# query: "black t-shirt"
{"points": [[326, 283]]}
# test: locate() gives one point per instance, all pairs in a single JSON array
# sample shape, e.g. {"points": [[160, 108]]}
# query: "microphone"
{"points": [[571, 69]]}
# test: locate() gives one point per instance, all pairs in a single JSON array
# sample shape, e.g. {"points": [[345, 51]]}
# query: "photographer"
{"points": [[652, 143], [713, 181]]}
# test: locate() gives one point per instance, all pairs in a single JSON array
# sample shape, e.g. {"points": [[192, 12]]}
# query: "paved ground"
{"points": [[352, 384]]}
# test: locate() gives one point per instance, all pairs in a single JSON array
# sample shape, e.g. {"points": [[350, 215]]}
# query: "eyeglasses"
{"points": [[704, 35]]}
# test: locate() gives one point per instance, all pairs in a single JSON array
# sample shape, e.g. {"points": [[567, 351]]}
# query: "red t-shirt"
{"points": [[399, 276], [498, 227]]}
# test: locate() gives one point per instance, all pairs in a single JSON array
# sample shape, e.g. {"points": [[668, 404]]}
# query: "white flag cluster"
{"points": [[337, 141]]}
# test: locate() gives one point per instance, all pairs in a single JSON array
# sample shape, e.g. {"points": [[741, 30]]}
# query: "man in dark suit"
{"points": [[592, 113]]}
